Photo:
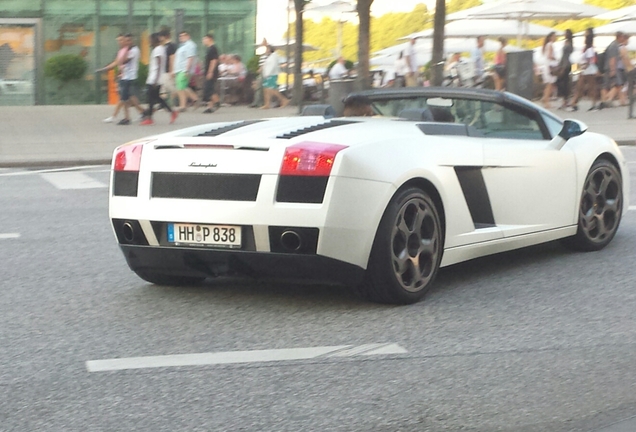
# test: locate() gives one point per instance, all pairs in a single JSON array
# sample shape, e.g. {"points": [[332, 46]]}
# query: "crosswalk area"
{"points": [[68, 178]]}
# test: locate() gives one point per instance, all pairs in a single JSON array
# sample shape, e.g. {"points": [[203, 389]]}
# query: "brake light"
{"points": [[309, 159], [128, 157]]}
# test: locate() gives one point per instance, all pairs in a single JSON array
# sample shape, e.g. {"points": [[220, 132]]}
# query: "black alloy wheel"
{"points": [[600, 208], [407, 250]]}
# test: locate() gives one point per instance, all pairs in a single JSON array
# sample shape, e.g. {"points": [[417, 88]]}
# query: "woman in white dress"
{"points": [[550, 62]]}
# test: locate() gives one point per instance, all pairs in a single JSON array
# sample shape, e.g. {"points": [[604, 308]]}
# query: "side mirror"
{"points": [[572, 128]]}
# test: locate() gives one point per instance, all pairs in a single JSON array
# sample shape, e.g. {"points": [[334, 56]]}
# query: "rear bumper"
{"points": [[199, 262]]}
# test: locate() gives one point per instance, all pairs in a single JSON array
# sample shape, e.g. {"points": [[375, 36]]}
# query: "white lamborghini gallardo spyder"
{"points": [[436, 177]]}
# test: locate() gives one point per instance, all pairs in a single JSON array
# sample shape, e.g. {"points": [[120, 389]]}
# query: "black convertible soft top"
{"points": [[486, 95]]}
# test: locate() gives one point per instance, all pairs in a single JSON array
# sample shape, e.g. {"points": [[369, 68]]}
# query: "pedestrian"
{"points": [[338, 70], [565, 67], [224, 64], [401, 69], [237, 67], [257, 84], [184, 64], [211, 72], [128, 82], [411, 62], [548, 70], [156, 69], [477, 57], [612, 84], [271, 69], [6, 55], [624, 70], [451, 71], [587, 78], [118, 63], [167, 78], [500, 65]]}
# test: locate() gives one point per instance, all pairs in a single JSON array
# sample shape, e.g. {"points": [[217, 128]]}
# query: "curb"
{"points": [[54, 163]]}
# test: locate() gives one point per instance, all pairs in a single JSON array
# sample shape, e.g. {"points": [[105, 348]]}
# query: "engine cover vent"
{"points": [[223, 129], [314, 128]]}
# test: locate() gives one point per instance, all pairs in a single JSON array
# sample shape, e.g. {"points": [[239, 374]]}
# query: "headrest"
{"points": [[326, 111], [442, 115], [416, 114]]}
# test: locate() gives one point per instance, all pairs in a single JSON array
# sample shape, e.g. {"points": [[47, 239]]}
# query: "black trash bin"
{"points": [[520, 73], [338, 89]]}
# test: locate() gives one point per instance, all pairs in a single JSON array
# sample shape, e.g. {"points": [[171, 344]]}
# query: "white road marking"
{"points": [[237, 357], [9, 236], [53, 170], [72, 180], [632, 207]]}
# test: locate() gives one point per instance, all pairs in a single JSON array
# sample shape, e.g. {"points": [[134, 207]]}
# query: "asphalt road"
{"points": [[541, 339]]}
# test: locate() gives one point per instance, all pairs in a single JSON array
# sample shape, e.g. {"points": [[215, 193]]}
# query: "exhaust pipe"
{"points": [[291, 241], [128, 231]]}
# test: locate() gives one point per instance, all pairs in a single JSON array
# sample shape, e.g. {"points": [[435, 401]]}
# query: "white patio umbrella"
{"points": [[610, 29], [479, 27], [524, 10], [424, 49], [627, 13], [333, 8]]}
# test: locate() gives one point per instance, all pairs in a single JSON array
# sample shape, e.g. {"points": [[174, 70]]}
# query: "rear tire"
{"points": [[168, 280], [407, 250], [600, 208]]}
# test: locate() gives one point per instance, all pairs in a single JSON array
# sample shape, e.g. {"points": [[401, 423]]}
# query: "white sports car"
{"points": [[436, 177]]}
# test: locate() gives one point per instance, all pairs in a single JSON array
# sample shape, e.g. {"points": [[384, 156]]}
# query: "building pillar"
{"points": [[178, 22]]}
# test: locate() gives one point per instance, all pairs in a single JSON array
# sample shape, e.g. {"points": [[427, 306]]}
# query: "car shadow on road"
{"points": [[233, 290], [303, 294]]}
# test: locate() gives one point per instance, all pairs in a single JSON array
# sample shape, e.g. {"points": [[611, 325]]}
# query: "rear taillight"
{"points": [[128, 157], [309, 159]]}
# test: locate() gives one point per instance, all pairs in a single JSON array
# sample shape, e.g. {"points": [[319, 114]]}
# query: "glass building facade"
{"points": [[32, 31]]}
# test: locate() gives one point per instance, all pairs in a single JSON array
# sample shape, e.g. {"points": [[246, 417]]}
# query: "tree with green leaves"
{"points": [[458, 5]]}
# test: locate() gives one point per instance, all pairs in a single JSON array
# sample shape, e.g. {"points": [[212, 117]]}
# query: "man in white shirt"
{"points": [[184, 61], [338, 70], [411, 63], [128, 81], [477, 57]]}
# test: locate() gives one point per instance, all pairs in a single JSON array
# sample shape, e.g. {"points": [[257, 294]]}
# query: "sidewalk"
{"points": [[75, 134]]}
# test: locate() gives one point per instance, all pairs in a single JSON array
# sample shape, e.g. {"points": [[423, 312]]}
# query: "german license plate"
{"points": [[205, 235]]}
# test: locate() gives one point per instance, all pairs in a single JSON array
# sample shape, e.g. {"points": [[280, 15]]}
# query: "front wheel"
{"points": [[600, 208], [407, 250]]}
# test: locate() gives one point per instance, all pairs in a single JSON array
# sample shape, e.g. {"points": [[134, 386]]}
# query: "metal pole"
{"points": [[340, 24], [631, 80], [287, 53], [97, 77], [129, 24], [178, 22]]}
